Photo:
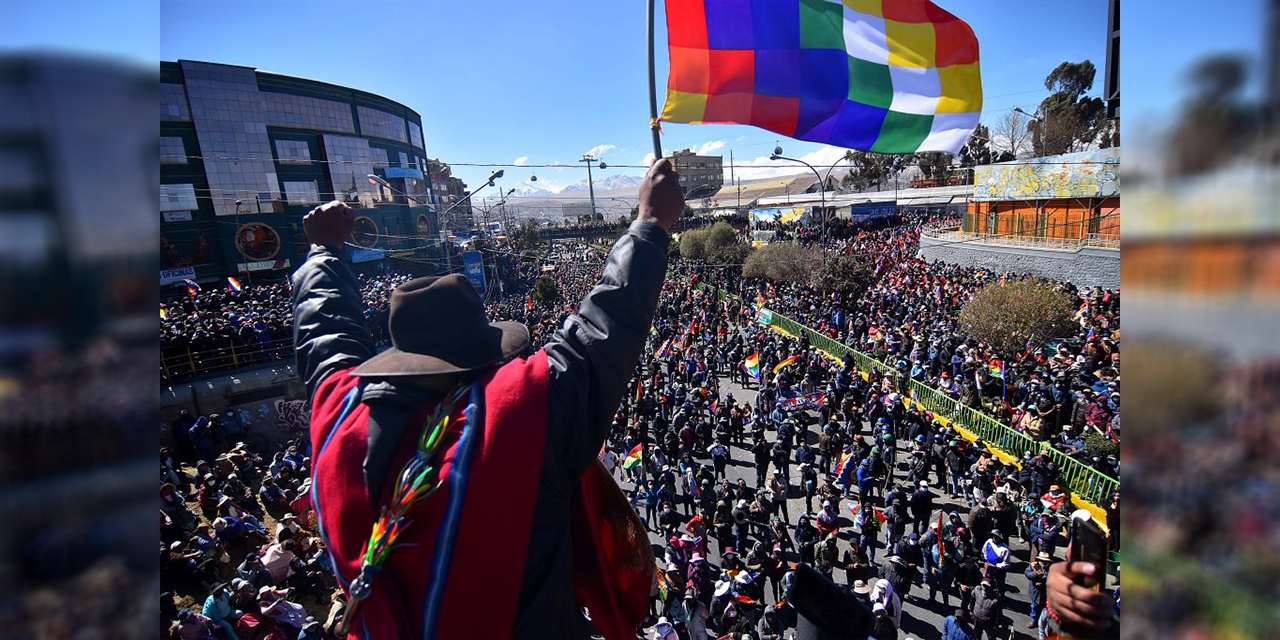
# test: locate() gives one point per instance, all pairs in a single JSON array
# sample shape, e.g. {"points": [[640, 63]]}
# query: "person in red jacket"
{"points": [[454, 475]]}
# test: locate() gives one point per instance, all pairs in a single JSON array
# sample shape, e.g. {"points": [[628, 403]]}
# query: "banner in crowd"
{"points": [[764, 316], [809, 401]]}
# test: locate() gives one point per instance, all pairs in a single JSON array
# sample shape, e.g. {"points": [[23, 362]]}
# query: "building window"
{"points": [[178, 197], [293, 152], [379, 157], [173, 102], [301, 192], [415, 135], [374, 122], [288, 110], [172, 151]]}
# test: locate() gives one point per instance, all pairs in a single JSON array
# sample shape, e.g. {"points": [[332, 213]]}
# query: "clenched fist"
{"points": [[661, 198], [329, 224]]}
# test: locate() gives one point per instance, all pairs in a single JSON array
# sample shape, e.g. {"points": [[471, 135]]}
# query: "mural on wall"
{"points": [[292, 416], [1088, 174]]}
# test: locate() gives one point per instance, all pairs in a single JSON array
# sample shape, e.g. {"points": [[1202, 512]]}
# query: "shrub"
{"points": [[1008, 316], [845, 275], [783, 262]]}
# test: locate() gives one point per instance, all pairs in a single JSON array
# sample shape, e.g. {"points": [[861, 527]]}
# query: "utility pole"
{"points": [[591, 188]]}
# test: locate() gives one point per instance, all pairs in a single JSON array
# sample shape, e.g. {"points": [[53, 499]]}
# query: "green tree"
{"points": [[717, 244], [544, 289], [783, 262], [977, 151], [528, 235], [845, 275], [1069, 120], [1008, 316]]}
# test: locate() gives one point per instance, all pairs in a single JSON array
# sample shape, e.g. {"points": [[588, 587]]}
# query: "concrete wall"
{"points": [[270, 400], [1088, 267]]}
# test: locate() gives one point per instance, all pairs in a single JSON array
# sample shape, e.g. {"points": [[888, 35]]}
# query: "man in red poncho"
{"points": [[519, 527]]}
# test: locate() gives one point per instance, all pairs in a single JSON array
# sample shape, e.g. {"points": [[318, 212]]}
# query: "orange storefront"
{"points": [[1063, 219], [1065, 198]]}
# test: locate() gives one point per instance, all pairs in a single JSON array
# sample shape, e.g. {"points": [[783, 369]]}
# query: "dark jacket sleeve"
{"points": [[594, 354], [328, 317]]}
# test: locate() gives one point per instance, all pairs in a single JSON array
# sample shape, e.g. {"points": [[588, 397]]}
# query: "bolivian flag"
{"points": [[633, 458]]}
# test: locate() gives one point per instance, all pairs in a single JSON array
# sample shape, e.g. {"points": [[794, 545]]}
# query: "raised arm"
{"points": [[594, 354], [328, 316]]}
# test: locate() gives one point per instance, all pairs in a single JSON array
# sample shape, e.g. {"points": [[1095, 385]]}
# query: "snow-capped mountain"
{"points": [[615, 182], [524, 190]]}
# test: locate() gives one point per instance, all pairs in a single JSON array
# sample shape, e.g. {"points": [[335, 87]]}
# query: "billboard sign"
{"points": [[473, 268], [170, 276], [403, 172]]}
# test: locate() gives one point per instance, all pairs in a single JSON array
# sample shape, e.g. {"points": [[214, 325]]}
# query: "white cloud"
{"points": [[708, 147], [600, 149], [647, 159], [557, 165], [521, 160]]}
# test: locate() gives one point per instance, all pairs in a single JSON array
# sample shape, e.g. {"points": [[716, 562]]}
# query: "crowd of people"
{"points": [[813, 463], [217, 328]]}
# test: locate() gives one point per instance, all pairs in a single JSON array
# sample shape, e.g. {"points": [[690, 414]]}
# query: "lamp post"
{"points": [[591, 188], [1044, 124], [248, 275], [777, 155]]}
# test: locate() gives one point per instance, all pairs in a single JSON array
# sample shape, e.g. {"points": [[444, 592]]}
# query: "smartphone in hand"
{"points": [[1088, 544]]}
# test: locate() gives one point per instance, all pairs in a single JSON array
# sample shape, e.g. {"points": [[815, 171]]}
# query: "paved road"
{"points": [[921, 618]]}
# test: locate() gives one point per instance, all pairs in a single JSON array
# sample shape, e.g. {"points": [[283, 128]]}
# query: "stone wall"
{"points": [[1087, 267]]}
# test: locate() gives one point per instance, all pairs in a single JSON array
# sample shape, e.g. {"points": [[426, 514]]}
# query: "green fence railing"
{"points": [[1085, 482]]}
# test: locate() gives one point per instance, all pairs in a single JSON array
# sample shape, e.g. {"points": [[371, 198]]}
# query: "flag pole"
{"points": [[653, 92]]}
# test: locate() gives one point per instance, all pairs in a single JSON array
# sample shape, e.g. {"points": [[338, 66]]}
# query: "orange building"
{"points": [[1059, 199]]}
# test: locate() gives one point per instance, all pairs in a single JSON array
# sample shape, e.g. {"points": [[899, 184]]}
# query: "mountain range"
{"points": [[616, 182]]}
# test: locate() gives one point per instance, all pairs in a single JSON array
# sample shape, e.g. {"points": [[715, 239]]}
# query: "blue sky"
{"points": [[547, 81], [500, 80]]}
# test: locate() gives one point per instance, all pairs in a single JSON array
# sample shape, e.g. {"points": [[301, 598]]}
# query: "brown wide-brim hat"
{"points": [[438, 326]]}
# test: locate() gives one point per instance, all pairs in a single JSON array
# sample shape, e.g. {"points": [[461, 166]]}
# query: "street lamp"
{"points": [[777, 155], [1044, 123], [248, 275]]}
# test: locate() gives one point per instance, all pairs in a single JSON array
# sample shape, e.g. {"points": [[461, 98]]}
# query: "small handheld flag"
{"points": [[843, 465], [192, 287], [752, 365], [633, 458], [164, 313], [234, 284], [784, 363], [996, 369]]}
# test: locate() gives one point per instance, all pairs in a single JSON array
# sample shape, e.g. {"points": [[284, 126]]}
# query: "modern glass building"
{"points": [[244, 154]]}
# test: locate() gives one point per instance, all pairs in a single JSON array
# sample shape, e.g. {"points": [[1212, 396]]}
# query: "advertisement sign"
{"points": [[403, 172], [176, 216], [263, 265], [473, 268], [361, 254], [170, 276]]}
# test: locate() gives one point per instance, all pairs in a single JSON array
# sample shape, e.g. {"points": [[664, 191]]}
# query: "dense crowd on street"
{"points": [[901, 510], [218, 329]]}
